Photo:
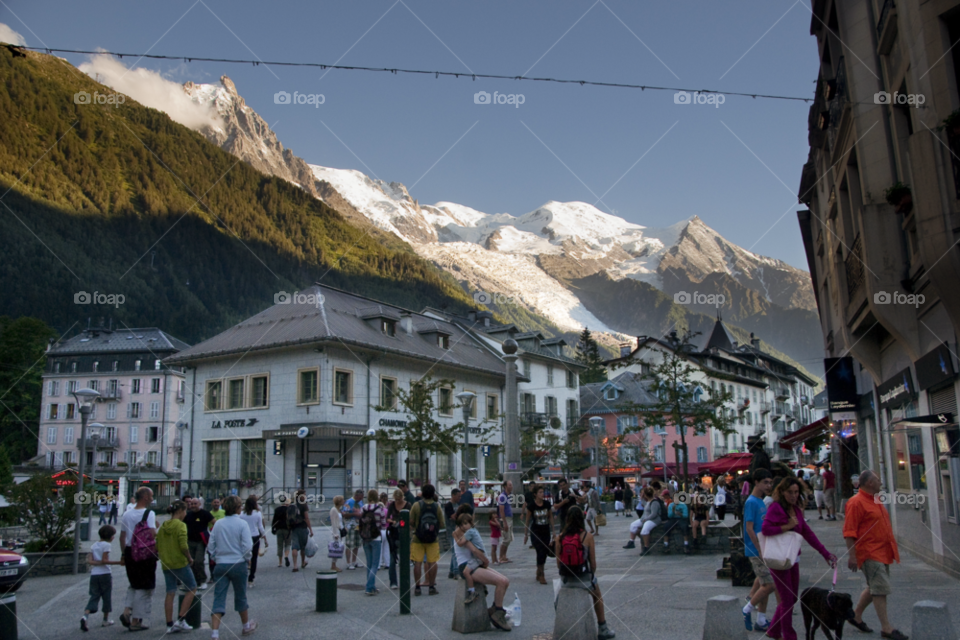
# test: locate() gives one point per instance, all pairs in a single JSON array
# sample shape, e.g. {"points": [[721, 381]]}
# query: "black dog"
{"points": [[827, 608]]}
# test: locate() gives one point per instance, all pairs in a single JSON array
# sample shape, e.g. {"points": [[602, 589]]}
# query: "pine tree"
{"points": [[588, 354]]}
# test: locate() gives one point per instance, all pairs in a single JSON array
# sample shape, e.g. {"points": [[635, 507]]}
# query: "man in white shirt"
{"points": [[141, 575]]}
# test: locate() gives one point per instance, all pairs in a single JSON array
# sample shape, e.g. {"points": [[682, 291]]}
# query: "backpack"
{"points": [[663, 508], [144, 544], [293, 516], [573, 560], [429, 523], [369, 527]]}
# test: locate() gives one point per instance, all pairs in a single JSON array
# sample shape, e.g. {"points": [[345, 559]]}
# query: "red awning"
{"points": [[657, 472], [730, 463], [808, 432]]}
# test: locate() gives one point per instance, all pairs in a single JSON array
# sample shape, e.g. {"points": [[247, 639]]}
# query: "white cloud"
{"points": [[10, 36], [150, 89]]}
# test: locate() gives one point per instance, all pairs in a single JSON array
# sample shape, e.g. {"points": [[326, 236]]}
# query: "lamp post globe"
{"points": [[85, 399]]}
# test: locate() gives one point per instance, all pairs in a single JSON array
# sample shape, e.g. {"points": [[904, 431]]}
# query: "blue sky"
{"points": [[736, 165]]}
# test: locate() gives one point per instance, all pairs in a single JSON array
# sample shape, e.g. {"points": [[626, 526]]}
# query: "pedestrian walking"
{"points": [[816, 482], [198, 522], [653, 514], [539, 518], [785, 515], [301, 530], [449, 516], [138, 527], [426, 521], [720, 500], [830, 492], [754, 511], [495, 532], [174, 552], [466, 496], [231, 547], [114, 511], [618, 501], [407, 495], [576, 552], [279, 528], [101, 578], [471, 558], [372, 523], [351, 518], [337, 532], [627, 499], [393, 534], [104, 510], [384, 546], [216, 510], [252, 515], [505, 517], [872, 548]]}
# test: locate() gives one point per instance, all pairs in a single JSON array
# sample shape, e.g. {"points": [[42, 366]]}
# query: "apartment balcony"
{"points": [[764, 406], [574, 422], [719, 451], [110, 395], [781, 392], [838, 102], [779, 410], [854, 268], [101, 443], [532, 420]]}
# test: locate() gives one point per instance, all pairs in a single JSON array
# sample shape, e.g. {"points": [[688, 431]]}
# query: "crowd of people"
{"points": [[560, 522]]}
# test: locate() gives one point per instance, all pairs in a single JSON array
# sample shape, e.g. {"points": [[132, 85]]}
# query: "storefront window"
{"points": [[252, 465], [386, 465], [218, 459]]}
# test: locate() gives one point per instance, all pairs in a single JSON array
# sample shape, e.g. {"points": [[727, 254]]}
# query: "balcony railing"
{"points": [[102, 443], [574, 422], [853, 265], [111, 394], [779, 409], [838, 102], [781, 392], [764, 406], [719, 451], [534, 420]]}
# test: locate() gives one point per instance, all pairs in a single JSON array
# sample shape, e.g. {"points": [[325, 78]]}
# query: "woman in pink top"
{"points": [[785, 514]]}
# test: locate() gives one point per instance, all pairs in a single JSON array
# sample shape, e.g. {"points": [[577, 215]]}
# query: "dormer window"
{"points": [[443, 341], [388, 327], [610, 393], [697, 394]]}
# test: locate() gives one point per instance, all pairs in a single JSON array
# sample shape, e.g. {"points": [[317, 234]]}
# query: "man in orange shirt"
{"points": [[871, 547]]}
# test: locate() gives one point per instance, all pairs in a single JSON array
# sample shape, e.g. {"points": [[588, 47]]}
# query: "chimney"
{"points": [[640, 340], [625, 349], [485, 316], [472, 316], [755, 342], [406, 322]]}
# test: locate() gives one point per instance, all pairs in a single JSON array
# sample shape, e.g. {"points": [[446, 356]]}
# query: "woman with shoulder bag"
{"points": [[785, 518], [393, 533], [335, 548], [279, 528], [252, 515]]}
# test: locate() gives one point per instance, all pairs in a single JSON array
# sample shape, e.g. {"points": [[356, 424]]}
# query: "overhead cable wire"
{"points": [[436, 74]]}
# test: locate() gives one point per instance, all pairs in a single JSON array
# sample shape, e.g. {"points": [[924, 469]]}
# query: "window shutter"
{"points": [[943, 401]]}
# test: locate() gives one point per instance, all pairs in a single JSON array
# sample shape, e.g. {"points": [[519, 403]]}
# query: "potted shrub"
{"points": [[122, 465], [900, 196], [448, 479], [102, 464]]}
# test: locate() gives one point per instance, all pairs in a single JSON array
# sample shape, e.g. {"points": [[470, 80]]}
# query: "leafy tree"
{"points": [[681, 401], [588, 354], [48, 516], [423, 435], [22, 345], [6, 472]]}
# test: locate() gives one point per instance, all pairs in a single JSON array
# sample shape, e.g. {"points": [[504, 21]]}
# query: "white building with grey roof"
{"points": [[283, 399]]}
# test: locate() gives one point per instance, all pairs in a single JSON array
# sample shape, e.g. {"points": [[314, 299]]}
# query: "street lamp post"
{"points": [[596, 423], [511, 427], [466, 399], [85, 398], [95, 438]]}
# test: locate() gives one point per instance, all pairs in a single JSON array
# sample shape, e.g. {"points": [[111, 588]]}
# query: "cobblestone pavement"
{"points": [[653, 598]]}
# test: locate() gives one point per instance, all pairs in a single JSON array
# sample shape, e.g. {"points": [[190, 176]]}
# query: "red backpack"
{"points": [[573, 556], [144, 544]]}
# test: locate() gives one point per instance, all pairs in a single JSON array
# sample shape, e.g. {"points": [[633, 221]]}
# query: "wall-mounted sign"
{"points": [[897, 391], [234, 424], [486, 450], [278, 447], [935, 367], [841, 384], [388, 422]]}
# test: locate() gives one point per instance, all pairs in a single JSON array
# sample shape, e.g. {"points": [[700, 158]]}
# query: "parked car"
{"points": [[13, 570]]}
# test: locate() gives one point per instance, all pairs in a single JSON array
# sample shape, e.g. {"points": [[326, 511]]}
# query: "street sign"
{"points": [[486, 451]]}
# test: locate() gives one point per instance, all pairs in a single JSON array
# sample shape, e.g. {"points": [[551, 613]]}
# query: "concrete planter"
{"points": [[54, 563]]}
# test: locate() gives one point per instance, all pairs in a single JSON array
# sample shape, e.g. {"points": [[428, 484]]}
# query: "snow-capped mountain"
{"points": [[566, 261]]}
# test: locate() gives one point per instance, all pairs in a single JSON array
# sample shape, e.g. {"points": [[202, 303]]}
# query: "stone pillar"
{"points": [[931, 621]]}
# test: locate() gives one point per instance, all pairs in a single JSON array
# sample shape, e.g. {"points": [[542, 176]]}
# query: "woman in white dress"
{"points": [[336, 528], [384, 547]]}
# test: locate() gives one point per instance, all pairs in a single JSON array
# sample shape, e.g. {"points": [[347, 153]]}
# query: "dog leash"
{"points": [[834, 587]]}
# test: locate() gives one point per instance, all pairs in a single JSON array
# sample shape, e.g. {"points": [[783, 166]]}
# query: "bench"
{"points": [[470, 618], [575, 619]]}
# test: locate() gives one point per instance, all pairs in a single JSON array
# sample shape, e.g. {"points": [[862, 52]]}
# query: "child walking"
{"points": [[469, 561], [494, 537], [101, 577], [176, 561]]}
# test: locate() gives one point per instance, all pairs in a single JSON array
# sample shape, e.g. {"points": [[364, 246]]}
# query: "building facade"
{"points": [[141, 401], [882, 187], [283, 400]]}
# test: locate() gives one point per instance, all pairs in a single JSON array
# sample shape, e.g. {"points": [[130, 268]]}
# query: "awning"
{"points": [[919, 422], [693, 468], [730, 463], [808, 432]]}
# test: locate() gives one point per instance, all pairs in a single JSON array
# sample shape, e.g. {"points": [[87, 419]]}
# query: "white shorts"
{"points": [[644, 528], [591, 515], [818, 498], [618, 505]]}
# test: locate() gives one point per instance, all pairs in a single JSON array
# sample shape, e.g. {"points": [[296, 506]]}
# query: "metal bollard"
{"points": [[8, 617], [326, 591], [194, 616]]}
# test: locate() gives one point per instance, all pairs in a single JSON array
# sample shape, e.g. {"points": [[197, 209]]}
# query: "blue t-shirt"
{"points": [[753, 512], [678, 510], [504, 501], [349, 506]]}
